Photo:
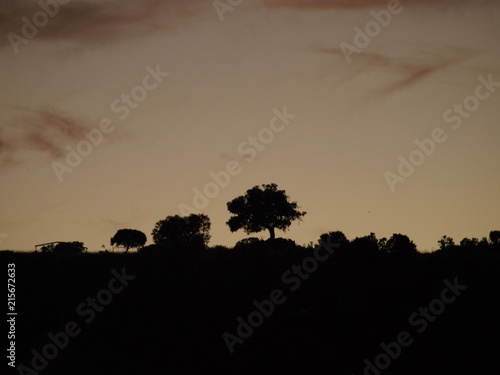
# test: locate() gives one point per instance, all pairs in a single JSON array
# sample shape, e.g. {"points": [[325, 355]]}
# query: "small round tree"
{"points": [[495, 237], [129, 238], [263, 208]]}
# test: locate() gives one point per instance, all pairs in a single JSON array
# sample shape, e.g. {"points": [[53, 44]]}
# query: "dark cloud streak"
{"points": [[44, 131], [100, 21]]}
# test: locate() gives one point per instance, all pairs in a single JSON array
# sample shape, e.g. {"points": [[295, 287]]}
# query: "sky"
{"points": [[375, 116]]}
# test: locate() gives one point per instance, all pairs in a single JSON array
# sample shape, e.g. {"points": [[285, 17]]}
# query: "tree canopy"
{"points": [[495, 237], [365, 245], [263, 208], [400, 244], [75, 247], [336, 237], [177, 232], [129, 238]]}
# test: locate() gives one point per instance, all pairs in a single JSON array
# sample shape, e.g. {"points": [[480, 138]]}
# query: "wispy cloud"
{"points": [[406, 72], [92, 21], [46, 131], [355, 4]]}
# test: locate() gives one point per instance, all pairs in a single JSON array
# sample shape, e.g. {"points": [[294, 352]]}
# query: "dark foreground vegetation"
{"points": [[362, 306], [170, 319]]}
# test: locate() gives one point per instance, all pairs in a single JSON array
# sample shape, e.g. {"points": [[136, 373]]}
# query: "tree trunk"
{"points": [[271, 232]]}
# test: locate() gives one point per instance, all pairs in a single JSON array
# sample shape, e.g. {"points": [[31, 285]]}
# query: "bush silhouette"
{"points": [[74, 247], [246, 243]]}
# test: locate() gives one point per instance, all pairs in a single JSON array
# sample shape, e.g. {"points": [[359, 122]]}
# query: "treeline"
{"points": [[192, 234], [264, 208], [471, 244]]}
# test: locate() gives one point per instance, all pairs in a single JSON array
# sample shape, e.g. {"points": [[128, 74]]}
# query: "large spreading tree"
{"points": [[263, 208], [129, 238]]}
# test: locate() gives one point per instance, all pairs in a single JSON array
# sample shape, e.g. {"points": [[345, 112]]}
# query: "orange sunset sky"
{"points": [[171, 91]]}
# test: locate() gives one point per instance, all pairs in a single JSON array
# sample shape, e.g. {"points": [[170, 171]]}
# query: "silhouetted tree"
{"points": [[446, 243], [74, 247], [365, 245], [176, 232], [336, 237], [263, 208], [129, 238], [400, 244], [469, 244], [495, 237], [494, 243]]}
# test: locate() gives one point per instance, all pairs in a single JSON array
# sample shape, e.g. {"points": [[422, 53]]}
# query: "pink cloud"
{"points": [[46, 131]]}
